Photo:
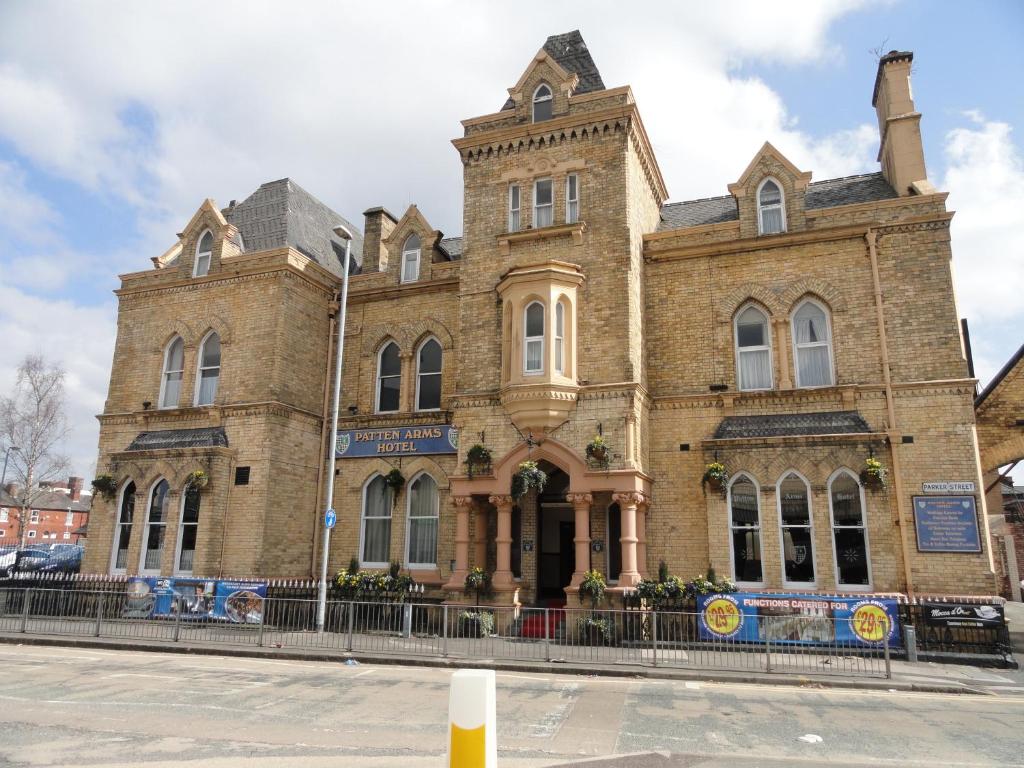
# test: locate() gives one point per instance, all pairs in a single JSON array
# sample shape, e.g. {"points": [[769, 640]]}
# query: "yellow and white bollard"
{"points": [[472, 721]]}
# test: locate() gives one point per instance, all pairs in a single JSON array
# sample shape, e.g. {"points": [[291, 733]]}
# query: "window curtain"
{"points": [[377, 522], [423, 521], [755, 369], [812, 352], [771, 220]]}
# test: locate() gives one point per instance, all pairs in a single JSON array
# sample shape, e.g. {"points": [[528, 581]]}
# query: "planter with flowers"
{"points": [[478, 460], [715, 476], [528, 476], [105, 486], [597, 452], [874, 474], [197, 479]]}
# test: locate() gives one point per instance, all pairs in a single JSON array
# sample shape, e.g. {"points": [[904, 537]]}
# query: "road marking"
{"points": [[693, 686], [143, 674], [365, 672]]}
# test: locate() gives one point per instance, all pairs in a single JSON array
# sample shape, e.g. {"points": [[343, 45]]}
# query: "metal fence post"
{"points": [[911, 643], [767, 644], [263, 612], [654, 637], [547, 635], [177, 619], [888, 665], [351, 623], [99, 614], [25, 609], [444, 631]]}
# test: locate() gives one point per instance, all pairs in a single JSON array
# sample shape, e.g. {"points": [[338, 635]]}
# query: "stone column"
{"points": [[641, 536], [782, 346], [407, 388], [480, 538], [581, 506], [628, 502], [502, 581], [457, 580]]}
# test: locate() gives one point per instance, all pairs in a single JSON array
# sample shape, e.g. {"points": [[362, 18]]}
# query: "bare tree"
{"points": [[32, 418]]}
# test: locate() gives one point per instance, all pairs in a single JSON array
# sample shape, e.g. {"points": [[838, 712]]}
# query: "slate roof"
{"points": [[865, 188], [204, 437], [281, 213], [997, 379], [452, 246], [50, 500], [785, 424], [573, 56]]}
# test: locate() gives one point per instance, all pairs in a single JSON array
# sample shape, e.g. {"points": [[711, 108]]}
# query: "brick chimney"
{"points": [[899, 126], [75, 485], [379, 224]]}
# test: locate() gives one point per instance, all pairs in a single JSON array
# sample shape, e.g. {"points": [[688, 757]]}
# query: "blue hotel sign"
{"points": [[946, 524], [397, 441]]}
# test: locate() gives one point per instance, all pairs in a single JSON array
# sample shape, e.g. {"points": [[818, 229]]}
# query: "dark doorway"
{"points": [[555, 532], [614, 546]]}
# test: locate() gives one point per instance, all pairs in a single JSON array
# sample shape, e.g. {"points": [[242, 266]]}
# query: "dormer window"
{"points": [[771, 215], [411, 259], [204, 251], [542, 103]]}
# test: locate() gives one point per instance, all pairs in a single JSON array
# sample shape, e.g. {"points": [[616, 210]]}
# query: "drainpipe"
{"points": [[891, 433]]}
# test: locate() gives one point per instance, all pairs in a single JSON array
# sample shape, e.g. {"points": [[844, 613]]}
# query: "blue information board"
{"points": [[397, 441], [240, 602], [946, 524]]}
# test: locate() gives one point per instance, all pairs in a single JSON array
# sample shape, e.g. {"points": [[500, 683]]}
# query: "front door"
{"points": [[555, 528]]}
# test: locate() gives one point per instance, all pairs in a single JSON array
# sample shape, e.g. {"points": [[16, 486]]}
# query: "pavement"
{"points": [[107, 708]]}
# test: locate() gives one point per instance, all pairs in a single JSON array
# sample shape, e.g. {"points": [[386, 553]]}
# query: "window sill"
{"points": [[574, 230]]}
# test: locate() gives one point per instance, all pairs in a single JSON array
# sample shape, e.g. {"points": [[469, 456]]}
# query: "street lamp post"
{"points": [[321, 608], [3, 477]]}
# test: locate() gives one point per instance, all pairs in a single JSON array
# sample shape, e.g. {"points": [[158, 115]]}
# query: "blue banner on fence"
{"points": [[946, 524], [397, 441], [240, 602], [799, 619]]}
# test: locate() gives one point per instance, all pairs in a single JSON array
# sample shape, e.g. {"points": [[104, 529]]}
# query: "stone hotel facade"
{"points": [[789, 330]]}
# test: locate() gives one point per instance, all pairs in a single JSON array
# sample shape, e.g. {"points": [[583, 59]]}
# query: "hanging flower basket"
{"points": [[874, 474], [715, 476], [198, 479], [593, 587], [106, 486], [478, 460], [597, 451], [528, 476], [394, 480]]}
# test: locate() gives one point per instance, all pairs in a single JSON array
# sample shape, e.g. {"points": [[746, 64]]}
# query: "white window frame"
{"points": [[528, 339], [362, 524], [200, 368], [537, 99], [760, 529], [768, 346], [143, 571], [781, 206], [67, 535], [201, 255], [420, 374], [408, 522], [117, 529], [33, 517], [181, 534], [570, 216], [31, 534], [69, 519], [549, 206], [782, 530], [165, 373], [417, 253], [515, 212], [828, 343], [559, 337], [5, 514], [864, 524], [379, 377]]}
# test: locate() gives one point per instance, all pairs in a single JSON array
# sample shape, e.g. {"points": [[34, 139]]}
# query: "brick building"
{"points": [[58, 514], [789, 329]]}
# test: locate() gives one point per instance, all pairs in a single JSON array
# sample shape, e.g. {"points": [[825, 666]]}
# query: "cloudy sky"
{"points": [[118, 119]]}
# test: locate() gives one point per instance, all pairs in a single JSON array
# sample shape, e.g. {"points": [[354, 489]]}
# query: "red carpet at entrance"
{"points": [[533, 622]]}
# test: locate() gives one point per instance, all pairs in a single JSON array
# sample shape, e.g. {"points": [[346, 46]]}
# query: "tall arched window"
{"points": [[123, 529], [543, 203], [421, 550], [209, 370], [560, 337], [156, 528], [204, 252], [428, 376], [411, 259], [793, 494], [188, 531], [745, 528], [174, 370], [771, 214], [849, 530], [375, 533], [533, 338], [753, 349], [389, 379], [812, 345], [542, 103]]}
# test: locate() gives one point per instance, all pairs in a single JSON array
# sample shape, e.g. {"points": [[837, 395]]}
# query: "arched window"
{"points": [[156, 528], [411, 259], [753, 349], [849, 531], [174, 370], [204, 252], [560, 337], [428, 376], [188, 531], [745, 527], [771, 215], [389, 379], [421, 551], [209, 370], [123, 529], [375, 533], [533, 338], [794, 499], [812, 345], [542, 103]]}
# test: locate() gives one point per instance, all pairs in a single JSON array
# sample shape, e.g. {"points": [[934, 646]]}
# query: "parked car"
{"points": [[57, 558], [63, 558]]}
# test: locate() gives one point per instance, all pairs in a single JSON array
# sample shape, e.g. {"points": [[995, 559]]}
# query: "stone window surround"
{"points": [[525, 178], [408, 387]]}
